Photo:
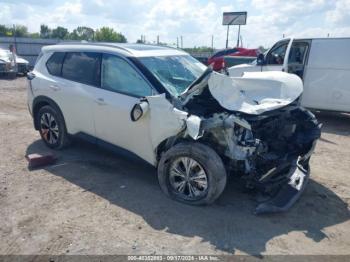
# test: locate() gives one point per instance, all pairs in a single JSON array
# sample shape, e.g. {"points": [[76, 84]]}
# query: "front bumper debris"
{"points": [[290, 192]]}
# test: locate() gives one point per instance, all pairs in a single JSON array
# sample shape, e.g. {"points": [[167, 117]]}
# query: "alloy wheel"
{"points": [[49, 128], [188, 178]]}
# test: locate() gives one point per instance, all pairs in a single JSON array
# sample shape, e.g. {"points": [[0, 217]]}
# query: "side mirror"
{"points": [[139, 110], [260, 60], [30, 75]]}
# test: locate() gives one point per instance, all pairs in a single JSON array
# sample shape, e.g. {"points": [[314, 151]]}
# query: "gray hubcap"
{"points": [[188, 178], [49, 128]]}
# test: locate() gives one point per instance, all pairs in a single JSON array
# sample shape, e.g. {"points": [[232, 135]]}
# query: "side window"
{"points": [[276, 55], [54, 64], [82, 67], [298, 53], [119, 76]]}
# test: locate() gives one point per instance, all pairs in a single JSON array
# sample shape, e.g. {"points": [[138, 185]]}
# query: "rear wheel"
{"points": [[192, 173], [52, 128]]}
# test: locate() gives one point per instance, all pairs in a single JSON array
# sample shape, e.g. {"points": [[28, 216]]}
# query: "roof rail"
{"points": [[106, 44]]}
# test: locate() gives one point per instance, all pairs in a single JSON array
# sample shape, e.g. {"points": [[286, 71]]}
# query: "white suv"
{"points": [[196, 126]]}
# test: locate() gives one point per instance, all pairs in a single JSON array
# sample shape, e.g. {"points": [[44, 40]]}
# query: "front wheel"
{"points": [[192, 173]]}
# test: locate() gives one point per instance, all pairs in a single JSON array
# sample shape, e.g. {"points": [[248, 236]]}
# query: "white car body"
{"points": [[151, 125], [324, 68], [7, 62], [22, 65]]}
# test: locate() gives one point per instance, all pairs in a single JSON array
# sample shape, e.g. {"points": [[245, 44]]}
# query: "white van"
{"points": [[322, 63]]}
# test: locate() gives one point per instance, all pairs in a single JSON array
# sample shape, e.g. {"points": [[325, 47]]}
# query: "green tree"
{"points": [[3, 30], [262, 49], [82, 33], [34, 35], [45, 31], [108, 34], [198, 49], [60, 32], [21, 31]]}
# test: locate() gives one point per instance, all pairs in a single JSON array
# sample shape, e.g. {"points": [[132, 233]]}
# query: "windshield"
{"points": [[176, 73]]}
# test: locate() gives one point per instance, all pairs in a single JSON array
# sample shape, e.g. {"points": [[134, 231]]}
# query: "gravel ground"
{"points": [[96, 202]]}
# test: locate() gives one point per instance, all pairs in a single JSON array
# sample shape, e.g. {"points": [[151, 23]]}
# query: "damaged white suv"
{"points": [[196, 126]]}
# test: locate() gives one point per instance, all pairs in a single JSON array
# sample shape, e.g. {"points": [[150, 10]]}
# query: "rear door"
{"points": [[73, 76], [122, 86]]}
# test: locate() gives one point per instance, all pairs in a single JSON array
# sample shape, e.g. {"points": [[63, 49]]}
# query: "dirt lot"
{"points": [[96, 202]]}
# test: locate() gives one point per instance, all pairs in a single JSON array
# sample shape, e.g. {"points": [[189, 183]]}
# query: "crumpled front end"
{"points": [[280, 167], [268, 141], [271, 151]]}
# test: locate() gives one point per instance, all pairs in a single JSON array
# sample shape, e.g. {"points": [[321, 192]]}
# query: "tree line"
{"points": [[103, 34]]}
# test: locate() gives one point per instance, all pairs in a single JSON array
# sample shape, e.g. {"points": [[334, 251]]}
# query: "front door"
{"points": [[122, 86], [276, 56]]}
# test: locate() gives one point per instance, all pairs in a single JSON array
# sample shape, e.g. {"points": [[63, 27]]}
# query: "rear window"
{"points": [[54, 64], [82, 67]]}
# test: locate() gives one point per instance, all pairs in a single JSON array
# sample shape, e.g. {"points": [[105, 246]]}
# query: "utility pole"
{"points": [[227, 36], [157, 39], [14, 38], [239, 32], [181, 42], [212, 43], [177, 42]]}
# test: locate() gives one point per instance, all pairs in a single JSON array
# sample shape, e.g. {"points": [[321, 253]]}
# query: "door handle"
{"points": [[100, 101], [55, 87]]}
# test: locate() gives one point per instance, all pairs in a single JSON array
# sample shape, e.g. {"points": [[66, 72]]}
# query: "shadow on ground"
{"points": [[228, 224], [334, 123]]}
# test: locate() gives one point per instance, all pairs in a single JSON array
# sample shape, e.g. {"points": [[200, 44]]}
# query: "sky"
{"points": [[195, 20]]}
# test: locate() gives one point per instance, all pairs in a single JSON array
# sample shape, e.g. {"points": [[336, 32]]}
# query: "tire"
{"points": [[207, 159], [52, 127]]}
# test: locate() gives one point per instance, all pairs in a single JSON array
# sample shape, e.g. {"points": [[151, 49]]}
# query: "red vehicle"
{"points": [[217, 60]]}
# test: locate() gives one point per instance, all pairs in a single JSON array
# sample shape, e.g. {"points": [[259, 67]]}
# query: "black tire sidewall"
{"points": [[207, 158], [61, 126]]}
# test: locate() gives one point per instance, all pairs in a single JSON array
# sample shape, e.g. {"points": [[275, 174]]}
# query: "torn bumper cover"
{"points": [[291, 190]]}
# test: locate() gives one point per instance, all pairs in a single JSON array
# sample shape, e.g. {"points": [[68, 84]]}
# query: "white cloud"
{"points": [[195, 20], [341, 14]]}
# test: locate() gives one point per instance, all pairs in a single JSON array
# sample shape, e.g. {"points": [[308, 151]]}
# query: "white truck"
{"points": [[322, 63]]}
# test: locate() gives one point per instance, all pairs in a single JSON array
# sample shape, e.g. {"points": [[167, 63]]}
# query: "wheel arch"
{"points": [[169, 142], [38, 103]]}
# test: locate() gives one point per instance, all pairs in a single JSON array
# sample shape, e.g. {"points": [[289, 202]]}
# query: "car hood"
{"points": [[252, 93], [4, 60], [20, 60]]}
